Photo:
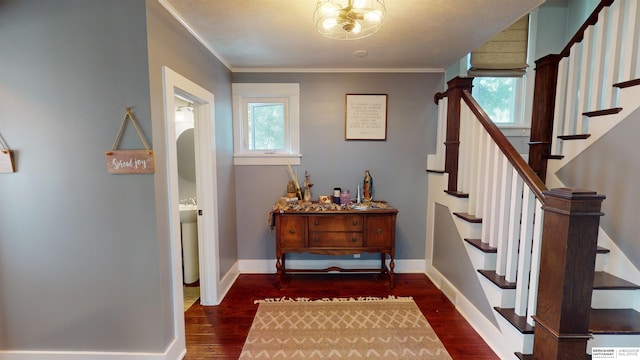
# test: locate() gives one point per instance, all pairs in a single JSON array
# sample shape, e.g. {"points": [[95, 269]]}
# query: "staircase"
{"points": [[486, 201]]}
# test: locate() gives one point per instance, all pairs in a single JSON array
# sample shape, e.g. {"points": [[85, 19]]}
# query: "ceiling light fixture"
{"points": [[349, 19]]}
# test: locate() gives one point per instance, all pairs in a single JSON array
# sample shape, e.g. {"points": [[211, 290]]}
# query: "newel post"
{"points": [[544, 100], [455, 87], [567, 266]]}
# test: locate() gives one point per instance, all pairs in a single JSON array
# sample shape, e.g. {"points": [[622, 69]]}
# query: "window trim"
{"points": [[246, 92]]}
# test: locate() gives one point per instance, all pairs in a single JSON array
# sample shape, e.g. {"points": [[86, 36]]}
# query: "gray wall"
{"points": [[600, 168], [79, 264], [452, 260], [84, 256], [171, 45], [397, 165]]}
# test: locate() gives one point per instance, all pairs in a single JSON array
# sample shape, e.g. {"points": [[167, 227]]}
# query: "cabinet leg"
{"points": [[392, 279], [279, 262]]}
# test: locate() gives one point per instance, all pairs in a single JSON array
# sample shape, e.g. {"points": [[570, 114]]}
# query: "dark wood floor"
{"points": [[219, 332]]}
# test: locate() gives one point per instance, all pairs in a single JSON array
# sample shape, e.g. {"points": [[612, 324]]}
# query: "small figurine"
{"points": [[307, 186], [367, 187]]}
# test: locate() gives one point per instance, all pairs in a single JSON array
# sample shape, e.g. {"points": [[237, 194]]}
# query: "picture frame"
{"points": [[366, 117]]}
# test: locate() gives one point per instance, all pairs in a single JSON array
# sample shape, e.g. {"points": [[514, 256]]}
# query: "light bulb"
{"points": [[356, 28], [330, 10], [359, 4], [329, 23], [373, 16]]}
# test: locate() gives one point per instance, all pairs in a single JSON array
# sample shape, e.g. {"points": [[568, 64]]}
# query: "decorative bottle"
{"points": [[367, 187]]}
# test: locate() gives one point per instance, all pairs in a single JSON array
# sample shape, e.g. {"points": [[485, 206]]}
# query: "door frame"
{"points": [[206, 189]]}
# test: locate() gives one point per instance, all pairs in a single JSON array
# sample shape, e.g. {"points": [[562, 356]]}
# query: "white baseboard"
{"points": [[491, 335], [85, 355], [174, 352], [269, 266]]}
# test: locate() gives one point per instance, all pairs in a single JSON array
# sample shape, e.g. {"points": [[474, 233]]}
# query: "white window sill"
{"points": [[266, 159], [514, 130]]}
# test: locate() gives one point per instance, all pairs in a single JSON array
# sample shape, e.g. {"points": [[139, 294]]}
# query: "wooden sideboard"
{"points": [[336, 233]]}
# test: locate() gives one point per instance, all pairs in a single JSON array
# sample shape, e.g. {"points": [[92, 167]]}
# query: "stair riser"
{"points": [[468, 230], [601, 262], [505, 298], [479, 259], [614, 299], [517, 341]]}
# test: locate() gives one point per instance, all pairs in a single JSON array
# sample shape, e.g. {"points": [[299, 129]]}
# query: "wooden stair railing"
{"points": [[582, 81], [507, 197], [567, 267]]}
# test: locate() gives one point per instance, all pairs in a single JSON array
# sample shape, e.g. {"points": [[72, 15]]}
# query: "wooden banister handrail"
{"points": [[591, 20], [519, 164]]}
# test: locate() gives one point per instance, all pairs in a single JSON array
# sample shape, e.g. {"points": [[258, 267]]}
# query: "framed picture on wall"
{"points": [[365, 117]]}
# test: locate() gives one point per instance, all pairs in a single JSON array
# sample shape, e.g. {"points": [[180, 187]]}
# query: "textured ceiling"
{"points": [[280, 35]]}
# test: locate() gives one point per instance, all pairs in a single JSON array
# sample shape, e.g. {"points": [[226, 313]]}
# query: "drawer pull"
{"points": [[292, 231], [379, 231], [316, 222], [316, 240], [354, 223], [354, 240]]}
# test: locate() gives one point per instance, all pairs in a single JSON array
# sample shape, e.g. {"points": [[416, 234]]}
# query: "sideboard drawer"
{"points": [[380, 231], [291, 231], [335, 239], [336, 223]]}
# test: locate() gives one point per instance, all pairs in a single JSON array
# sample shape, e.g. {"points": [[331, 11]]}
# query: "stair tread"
{"points": [[574, 137], [602, 321], [614, 321], [499, 280], [606, 281], [553, 157], [482, 246], [458, 194], [602, 112], [519, 322], [468, 217], [624, 84]]}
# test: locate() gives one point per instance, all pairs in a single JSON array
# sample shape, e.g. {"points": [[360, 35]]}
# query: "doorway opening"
{"points": [[206, 200], [188, 195]]}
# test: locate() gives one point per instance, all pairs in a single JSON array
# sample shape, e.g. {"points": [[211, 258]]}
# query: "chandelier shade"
{"points": [[349, 19]]}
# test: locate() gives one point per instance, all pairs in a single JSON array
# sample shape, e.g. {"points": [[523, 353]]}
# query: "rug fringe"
{"points": [[362, 298]]}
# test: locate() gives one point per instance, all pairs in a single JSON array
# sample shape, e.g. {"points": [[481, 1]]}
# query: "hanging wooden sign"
{"points": [[6, 160], [130, 161]]}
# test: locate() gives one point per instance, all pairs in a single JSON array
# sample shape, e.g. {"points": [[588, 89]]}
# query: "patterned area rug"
{"points": [[365, 328]]}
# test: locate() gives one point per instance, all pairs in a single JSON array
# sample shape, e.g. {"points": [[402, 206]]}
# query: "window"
{"points": [[500, 71], [266, 124], [501, 98]]}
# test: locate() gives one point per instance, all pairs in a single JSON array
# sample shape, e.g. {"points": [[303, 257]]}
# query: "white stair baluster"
{"points": [[524, 253], [535, 262], [506, 173], [514, 227]]}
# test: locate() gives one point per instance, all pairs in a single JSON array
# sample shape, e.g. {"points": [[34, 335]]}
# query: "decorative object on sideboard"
{"points": [[336, 195], [130, 161], [6, 158], [307, 186], [345, 198], [294, 178], [291, 189], [367, 187]]}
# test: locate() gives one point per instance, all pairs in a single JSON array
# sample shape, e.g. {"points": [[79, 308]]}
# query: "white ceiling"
{"points": [[280, 35]]}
